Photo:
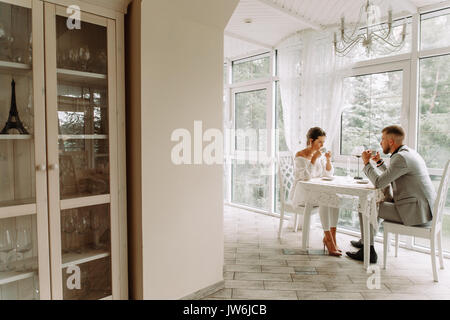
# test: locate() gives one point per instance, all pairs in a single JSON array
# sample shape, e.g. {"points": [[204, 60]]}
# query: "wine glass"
{"points": [[357, 152], [68, 228], [74, 57], [30, 49], [36, 289], [3, 40], [85, 56], [82, 227], [23, 244], [95, 226], [6, 246]]}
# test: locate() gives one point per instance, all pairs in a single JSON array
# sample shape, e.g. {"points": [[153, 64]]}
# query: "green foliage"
{"points": [[251, 70], [434, 108]]}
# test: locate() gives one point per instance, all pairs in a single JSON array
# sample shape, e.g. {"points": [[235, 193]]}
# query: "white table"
{"points": [[360, 197]]}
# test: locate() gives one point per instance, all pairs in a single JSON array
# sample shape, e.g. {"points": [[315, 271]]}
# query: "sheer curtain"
{"points": [[289, 72], [311, 84]]}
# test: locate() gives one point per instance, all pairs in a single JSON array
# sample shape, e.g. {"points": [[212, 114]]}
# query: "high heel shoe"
{"points": [[328, 242], [333, 235]]}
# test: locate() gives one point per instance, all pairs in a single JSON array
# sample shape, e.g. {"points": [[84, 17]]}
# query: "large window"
{"points": [[435, 28], [434, 111], [372, 102], [251, 170], [251, 68], [250, 177], [256, 115]]}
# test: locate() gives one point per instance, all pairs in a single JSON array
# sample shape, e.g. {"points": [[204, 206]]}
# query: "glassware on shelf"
{"points": [[30, 50], [36, 291], [3, 42], [85, 57], [96, 224], [23, 245], [74, 58], [102, 61], [68, 229], [82, 227], [6, 246]]}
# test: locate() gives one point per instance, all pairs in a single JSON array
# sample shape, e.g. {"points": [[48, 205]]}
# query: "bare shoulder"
{"points": [[301, 154]]}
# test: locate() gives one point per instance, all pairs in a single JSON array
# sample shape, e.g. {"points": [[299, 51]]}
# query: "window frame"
{"points": [[231, 90], [403, 66]]}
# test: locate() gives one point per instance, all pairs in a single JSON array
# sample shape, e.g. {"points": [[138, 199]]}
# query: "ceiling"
{"points": [[274, 20]]}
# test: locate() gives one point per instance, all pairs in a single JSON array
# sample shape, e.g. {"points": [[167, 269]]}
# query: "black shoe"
{"points": [[357, 244], [359, 255]]}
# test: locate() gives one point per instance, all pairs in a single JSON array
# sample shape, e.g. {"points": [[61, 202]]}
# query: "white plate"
{"points": [[328, 178], [362, 181]]}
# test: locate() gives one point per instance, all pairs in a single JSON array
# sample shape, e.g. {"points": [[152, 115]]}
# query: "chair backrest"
{"points": [[285, 175], [441, 198]]}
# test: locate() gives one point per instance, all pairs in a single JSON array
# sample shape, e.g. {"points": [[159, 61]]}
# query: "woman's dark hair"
{"points": [[315, 133]]}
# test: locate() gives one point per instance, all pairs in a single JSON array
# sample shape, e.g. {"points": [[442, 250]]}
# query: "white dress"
{"points": [[304, 170]]}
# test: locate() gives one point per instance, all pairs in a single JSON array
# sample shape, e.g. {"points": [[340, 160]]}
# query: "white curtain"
{"points": [[289, 68], [312, 95]]}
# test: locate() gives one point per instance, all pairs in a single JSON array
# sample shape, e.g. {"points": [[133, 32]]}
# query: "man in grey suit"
{"points": [[413, 193]]}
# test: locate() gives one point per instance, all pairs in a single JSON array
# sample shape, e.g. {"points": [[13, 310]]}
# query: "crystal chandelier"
{"points": [[373, 35]]}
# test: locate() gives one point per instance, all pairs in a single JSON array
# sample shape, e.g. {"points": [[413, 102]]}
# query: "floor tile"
{"points": [[244, 284], [258, 265], [262, 276], [264, 294], [313, 295], [297, 286]]}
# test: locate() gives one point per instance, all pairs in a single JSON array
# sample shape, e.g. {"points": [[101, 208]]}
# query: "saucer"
{"points": [[362, 181], [328, 178]]}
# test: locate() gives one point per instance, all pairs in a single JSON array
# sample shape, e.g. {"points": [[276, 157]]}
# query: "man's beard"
{"points": [[386, 150]]}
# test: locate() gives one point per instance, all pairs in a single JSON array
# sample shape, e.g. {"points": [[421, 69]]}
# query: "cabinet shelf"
{"points": [[83, 136], [6, 66], [16, 137], [81, 77], [13, 276], [80, 258], [17, 208]]}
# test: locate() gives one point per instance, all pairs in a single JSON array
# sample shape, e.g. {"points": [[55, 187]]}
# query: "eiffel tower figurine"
{"points": [[13, 120]]}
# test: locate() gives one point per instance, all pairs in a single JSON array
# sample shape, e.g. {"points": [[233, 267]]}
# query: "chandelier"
{"points": [[373, 36]]}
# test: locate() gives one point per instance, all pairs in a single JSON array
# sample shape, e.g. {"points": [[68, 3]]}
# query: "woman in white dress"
{"points": [[311, 163]]}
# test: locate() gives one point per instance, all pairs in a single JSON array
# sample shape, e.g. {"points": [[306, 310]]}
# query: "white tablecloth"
{"points": [[344, 192]]}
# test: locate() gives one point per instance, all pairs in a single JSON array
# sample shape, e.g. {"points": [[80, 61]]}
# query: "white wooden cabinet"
{"points": [[62, 183]]}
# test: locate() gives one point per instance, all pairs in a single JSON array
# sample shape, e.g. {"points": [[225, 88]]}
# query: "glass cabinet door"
{"points": [[23, 245], [80, 118]]}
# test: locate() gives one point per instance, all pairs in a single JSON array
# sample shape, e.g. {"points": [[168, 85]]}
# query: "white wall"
{"points": [[182, 206]]}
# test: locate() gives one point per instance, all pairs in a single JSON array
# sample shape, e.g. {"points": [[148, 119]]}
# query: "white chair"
{"points": [[286, 181], [432, 233]]}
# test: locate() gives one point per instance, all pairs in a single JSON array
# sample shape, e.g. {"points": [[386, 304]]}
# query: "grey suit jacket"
{"points": [[413, 192]]}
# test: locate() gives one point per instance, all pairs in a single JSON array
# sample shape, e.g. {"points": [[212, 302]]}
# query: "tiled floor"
{"points": [[259, 266]]}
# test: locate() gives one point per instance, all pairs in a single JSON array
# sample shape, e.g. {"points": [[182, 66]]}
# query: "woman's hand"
{"points": [[328, 155]]}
